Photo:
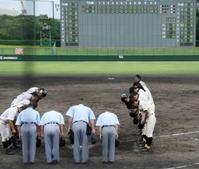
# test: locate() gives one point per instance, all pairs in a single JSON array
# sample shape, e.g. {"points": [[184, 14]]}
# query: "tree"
{"points": [[22, 29]]}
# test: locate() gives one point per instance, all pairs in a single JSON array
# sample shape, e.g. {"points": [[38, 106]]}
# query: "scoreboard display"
{"points": [[128, 23]]}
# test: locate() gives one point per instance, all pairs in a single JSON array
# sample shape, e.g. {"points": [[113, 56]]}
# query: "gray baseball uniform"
{"points": [[51, 121], [28, 119], [81, 115], [108, 122]]}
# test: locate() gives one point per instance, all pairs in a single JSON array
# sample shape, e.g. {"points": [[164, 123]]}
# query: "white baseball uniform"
{"points": [[25, 96], [151, 120], [8, 114]]}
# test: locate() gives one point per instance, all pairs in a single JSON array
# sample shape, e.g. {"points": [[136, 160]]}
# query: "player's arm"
{"points": [[19, 130], [12, 126], [38, 131], [62, 130], [146, 115], [100, 132], [117, 131], [70, 120], [92, 122], [42, 131]]}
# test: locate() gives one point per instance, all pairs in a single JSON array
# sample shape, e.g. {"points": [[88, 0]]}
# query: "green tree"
{"points": [[25, 29]]}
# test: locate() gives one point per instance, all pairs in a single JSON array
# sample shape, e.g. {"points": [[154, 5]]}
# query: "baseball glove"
{"points": [[93, 138], [141, 125], [62, 142], [135, 120], [117, 142], [71, 136], [132, 114], [38, 142]]}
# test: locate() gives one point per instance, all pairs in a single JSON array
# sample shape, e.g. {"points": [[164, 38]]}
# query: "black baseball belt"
{"points": [[52, 122], [80, 121], [108, 126], [28, 122]]}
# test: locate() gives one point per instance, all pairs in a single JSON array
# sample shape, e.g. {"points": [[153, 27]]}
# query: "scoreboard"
{"points": [[128, 23]]}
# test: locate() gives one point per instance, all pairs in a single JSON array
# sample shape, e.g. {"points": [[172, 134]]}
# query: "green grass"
{"points": [[36, 50], [97, 68]]}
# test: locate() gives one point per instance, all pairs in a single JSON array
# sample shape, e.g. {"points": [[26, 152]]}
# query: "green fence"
{"points": [[101, 58]]}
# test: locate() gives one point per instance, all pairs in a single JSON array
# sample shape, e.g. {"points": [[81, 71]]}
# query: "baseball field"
{"points": [[174, 86], [98, 68]]}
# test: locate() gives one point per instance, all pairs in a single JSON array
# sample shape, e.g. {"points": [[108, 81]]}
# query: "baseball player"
{"points": [[52, 128], [40, 92], [27, 122], [138, 79], [79, 118], [8, 129], [108, 131], [148, 121]]}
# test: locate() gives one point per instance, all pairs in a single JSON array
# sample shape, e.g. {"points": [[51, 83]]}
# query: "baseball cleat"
{"points": [[147, 147]]}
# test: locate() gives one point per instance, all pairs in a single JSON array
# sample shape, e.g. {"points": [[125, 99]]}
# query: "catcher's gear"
{"points": [[135, 121], [62, 142], [88, 130], [43, 92], [124, 97], [117, 142], [93, 138], [35, 104], [132, 114], [141, 125], [38, 142], [131, 89], [71, 136]]}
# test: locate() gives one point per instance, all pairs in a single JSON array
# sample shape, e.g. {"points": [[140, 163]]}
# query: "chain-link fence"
{"points": [[134, 27]]}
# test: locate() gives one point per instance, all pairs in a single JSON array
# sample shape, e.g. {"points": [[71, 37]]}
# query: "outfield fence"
{"points": [[91, 58], [68, 51]]}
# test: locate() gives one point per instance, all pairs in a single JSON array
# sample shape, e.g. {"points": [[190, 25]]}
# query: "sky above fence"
{"points": [[42, 7]]}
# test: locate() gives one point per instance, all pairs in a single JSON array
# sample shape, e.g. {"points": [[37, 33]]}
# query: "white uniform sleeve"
{"points": [[70, 112], [144, 106], [32, 90], [38, 118], [18, 121], [116, 120], [91, 115], [61, 120], [12, 114], [99, 121], [143, 84], [41, 123]]}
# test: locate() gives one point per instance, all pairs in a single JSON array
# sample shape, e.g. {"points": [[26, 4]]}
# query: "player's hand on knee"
{"points": [[14, 131], [93, 131]]}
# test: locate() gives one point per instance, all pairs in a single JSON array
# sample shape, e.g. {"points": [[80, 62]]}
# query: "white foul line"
{"points": [[183, 166], [170, 135], [179, 134]]}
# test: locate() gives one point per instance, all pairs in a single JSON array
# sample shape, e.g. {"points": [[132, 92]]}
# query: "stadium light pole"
{"points": [[34, 15], [53, 6]]}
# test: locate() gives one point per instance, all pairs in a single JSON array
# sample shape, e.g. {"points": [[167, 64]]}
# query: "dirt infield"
{"points": [[176, 142]]}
